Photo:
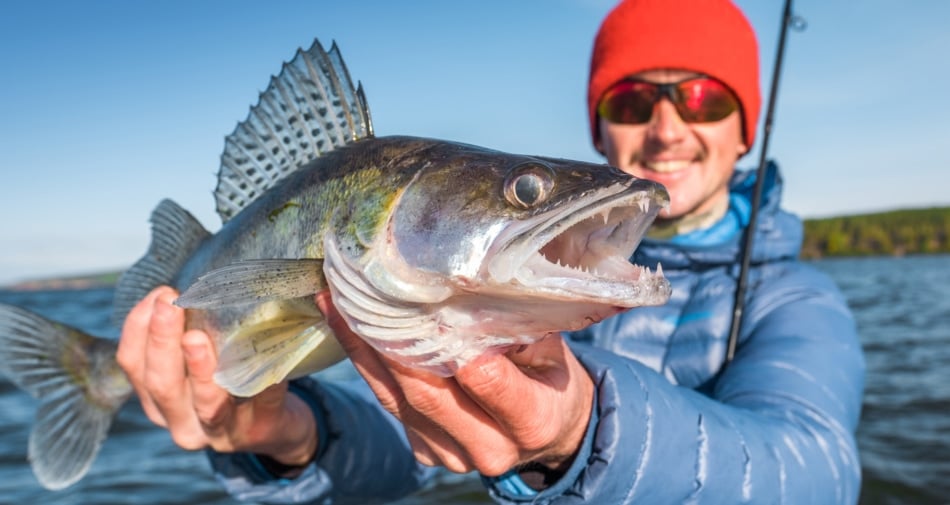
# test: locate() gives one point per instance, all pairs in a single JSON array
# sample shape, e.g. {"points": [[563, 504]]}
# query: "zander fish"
{"points": [[434, 252]]}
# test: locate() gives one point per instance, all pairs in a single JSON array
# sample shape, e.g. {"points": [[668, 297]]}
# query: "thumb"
{"points": [[549, 352]]}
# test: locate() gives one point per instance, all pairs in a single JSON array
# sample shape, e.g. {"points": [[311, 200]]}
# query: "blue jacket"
{"points": [[669, 425]]}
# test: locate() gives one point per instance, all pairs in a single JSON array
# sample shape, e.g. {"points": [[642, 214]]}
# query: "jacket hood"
{"points": [[778, 234]]}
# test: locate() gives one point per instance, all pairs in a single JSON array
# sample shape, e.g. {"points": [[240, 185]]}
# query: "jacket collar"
{"points": [[778, 233]]}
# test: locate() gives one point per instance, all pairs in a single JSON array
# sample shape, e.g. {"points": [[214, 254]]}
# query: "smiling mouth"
{"points": [[667, 166]]}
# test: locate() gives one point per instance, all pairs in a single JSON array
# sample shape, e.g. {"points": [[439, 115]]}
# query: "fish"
{"points": [[434, 252]]}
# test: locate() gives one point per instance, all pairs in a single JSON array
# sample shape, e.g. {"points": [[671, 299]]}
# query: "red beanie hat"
{"points": [[711, 37]]}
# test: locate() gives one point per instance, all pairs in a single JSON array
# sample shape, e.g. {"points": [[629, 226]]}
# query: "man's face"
{"points": [[693, 160]]}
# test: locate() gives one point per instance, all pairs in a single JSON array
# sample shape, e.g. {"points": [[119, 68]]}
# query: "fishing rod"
{"points": [[742, 283]]}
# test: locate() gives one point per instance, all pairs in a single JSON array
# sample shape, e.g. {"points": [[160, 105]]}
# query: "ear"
{"points": [[742, 149]]}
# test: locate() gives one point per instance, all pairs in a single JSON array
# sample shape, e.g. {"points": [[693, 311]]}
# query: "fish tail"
{"points": [[176, 235], [78, 382]]}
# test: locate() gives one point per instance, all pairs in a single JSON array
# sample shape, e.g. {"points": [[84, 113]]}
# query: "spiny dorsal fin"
{"points": [[309, 109]]}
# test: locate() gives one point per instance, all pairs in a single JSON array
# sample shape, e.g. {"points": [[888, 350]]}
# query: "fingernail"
{"points": [[163, 303]]}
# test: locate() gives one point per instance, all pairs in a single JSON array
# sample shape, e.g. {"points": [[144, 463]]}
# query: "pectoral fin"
{"points": [[254, 281]]}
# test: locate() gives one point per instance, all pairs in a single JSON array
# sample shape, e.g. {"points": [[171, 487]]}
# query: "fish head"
{"points": [[530, 230], [480, 250]]}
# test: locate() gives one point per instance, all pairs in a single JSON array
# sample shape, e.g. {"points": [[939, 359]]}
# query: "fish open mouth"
{"points": [[581, 251]]}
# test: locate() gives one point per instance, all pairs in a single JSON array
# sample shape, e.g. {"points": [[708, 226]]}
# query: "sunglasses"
{"points": [[697, 100]]}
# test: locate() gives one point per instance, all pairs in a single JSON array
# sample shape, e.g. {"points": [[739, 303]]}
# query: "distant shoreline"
{"points": [[77, 282]]}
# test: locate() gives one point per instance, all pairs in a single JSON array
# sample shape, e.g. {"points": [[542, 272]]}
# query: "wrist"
{"points": [[298, 442], [544, 472], [548, 468], [560, 457], [299, 437]]}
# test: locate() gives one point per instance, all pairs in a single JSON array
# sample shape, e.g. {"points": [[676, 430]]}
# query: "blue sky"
{"points": [[110, 106]]}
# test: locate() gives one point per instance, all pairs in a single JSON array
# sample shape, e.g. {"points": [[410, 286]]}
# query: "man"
{"points": [[639, 408]]}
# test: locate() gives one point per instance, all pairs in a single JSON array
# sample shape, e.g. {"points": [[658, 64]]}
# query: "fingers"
{"points": [[364, 358], [411, 398], [211, 404], [433, 447], [131, 352], [165, 377], [492, 415], [150, 352], [133, 345], [505, 385], [172, 372], [541, 397], [503, 390]]}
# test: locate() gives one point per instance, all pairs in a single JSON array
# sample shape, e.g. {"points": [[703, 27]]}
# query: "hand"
{"points": [[171, 370], [529, 405]]}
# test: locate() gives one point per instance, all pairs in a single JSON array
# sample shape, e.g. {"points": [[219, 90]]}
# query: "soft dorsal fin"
{"points": [[309, 109], [176, 235]]}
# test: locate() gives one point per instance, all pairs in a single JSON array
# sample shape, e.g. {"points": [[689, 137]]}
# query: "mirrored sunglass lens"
{"points": [[705, 101], [628, 103]]}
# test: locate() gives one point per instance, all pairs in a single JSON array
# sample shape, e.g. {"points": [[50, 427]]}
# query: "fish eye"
{"points": [[529, 185]]}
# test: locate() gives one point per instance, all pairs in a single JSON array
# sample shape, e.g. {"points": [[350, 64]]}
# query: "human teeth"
{"points": [[667, 166]]}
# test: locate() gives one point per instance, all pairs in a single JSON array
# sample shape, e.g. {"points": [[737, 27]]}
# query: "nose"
{"points": [[666, 126]]}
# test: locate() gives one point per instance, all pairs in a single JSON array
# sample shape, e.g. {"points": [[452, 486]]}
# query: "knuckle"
{"points": [[493, 465], [124, 358], [137, 318], [213, 419], [457, 465], [188, 440], [154, 416], [215, 416], [160, 389], [426, 401], [166, 323], [537, 435], [483, 379], [396, 406]]}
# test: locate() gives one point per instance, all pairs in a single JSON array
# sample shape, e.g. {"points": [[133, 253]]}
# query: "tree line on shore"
{"points": [[892, 233]]}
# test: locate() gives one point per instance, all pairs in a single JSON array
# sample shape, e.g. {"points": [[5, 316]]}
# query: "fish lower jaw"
{"points": [[617, 282]]}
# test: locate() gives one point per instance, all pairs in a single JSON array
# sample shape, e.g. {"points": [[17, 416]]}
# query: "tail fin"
{"points": [[78, 383]]}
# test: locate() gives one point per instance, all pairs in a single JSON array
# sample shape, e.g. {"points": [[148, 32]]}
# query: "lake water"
{"points": [[903, 311]]}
